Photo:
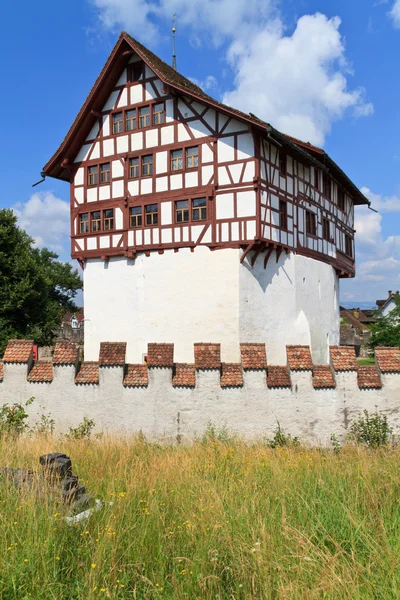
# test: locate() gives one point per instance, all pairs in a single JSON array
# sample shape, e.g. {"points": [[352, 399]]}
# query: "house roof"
{"points": [[383, 303], [119, 57]]}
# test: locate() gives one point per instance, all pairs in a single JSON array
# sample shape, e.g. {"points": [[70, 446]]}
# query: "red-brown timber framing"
{"points": [[295, 185]]}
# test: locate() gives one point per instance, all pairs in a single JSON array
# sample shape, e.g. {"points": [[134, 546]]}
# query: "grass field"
{"points": [[210, 521]]}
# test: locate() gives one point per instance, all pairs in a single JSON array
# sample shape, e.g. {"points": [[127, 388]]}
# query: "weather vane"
{"points": [[174, 42]]}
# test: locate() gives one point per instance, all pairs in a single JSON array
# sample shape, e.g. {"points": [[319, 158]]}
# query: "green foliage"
{"points": [[371, 430], [386, 331], [45, 425], [35, 289], [13, 418], [82, 431], [336, 445], [213, 433], [282, 439]]}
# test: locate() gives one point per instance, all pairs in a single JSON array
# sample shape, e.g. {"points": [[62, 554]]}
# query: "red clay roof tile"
{"points": [[160, 355], [368, 377], [112, 354], [299, 358], [231, 375], [18, 351], [343, 358], [323, 377], [88, 373], [136, 376], [254, 357], [65, 353], [1, 370], [41, 372], [184, 376], [388, 359], [278, 377], [207, 356]]}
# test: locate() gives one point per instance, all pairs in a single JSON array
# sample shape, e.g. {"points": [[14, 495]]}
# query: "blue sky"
{"points": [[324, 71]]}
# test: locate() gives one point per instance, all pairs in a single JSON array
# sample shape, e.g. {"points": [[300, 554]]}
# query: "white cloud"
{"points": [[297, 82], [395, 14], [381, 203], [46, 219]]}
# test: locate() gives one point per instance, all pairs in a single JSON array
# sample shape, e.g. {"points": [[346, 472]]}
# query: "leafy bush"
{"points": [[337, 446], [45, 425], [217, 434], [371, 430], [82, 431], [13, 418], [282, 439]]}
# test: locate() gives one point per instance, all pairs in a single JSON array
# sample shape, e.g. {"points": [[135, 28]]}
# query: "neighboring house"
{"points": [[72, 326], [385, 307], [195, 221], [355, 329]]}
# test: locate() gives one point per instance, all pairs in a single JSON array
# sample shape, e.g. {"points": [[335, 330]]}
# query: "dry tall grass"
{"points": [[209, 521]]}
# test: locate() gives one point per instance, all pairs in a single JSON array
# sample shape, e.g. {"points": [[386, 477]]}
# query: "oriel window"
{"points": [[199, 209], [131, 120], [108, 219], [158, 114], [147, 165], [176, 160], [182, 211], [118, 122], [84, 223], [151, 214], [96, 220], [105, 173], [93, 175], [134, 168], [135, 216], [144, 116], [192, 157]]}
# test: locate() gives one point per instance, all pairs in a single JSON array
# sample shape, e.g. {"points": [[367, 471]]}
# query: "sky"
{"points": [[325, 71]]}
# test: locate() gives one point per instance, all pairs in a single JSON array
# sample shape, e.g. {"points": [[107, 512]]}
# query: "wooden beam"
{"points": [[95, 113], [261, 247], [248, 249], [278, 253], [266, 259]]}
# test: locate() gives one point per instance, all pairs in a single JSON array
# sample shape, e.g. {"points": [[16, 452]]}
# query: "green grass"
{"points": [[225, 521], [366, 361]]}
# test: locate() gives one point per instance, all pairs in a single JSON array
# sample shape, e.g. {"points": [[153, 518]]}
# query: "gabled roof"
{"points": [[384, 303], [105, 82]]}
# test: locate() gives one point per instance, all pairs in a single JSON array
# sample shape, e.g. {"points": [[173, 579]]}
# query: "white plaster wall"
{"points": [[292, 301], [162, 412]]}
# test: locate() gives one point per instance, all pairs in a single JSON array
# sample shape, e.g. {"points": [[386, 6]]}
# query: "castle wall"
{"points": [[166, 400], [187, 297]]}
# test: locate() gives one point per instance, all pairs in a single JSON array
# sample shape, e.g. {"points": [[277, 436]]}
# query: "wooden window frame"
{"points": [[282, 164], [133, 218], [311, 223], [106, 172], [126, 119], [132, 67], [162, 113], [136, 167], [283, 215], [191, 157], [341, 194], [90, 183], [98, 174], [200, 208], [93, 221], [348, 245], [119, 122], [317, 179], [108, 222], [326, 230], [140, 117], [81, 222], [176, 159], [153, 215], [327, 186], [182, 211], [190, 209], [143, 165]]}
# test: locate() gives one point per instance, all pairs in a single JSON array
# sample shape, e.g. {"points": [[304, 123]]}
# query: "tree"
{"points": [[35, 288], [386, 331]]}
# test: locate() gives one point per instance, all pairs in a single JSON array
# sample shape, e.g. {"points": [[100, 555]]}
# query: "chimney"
{"points": [[390, 293]]}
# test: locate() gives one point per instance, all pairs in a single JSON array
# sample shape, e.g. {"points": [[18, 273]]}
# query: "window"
{"points": [[326, 185], [158, 114], [135, 216], [192, 157], [74, 322], [282, 214], [84, 223], [326, 230], [93, 175], [131, 120], [340, 198], [134, 168], [135, 73], [311, 223], [108, 219], [105, 173], [316, 178], [147, 165], [176, 160], [182, 211], [151, 214], [282, 164], [95, 218], [199, 209], [348, 245], [118, 122], [144, 116]]}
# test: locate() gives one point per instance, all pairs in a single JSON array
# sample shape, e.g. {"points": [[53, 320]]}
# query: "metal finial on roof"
{"points": [[174, 42]]}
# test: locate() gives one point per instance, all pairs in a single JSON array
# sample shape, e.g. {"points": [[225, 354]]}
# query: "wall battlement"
{"points": [[165, 399]]}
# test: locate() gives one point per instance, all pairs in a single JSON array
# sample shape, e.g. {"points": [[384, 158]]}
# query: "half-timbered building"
{"points": [[196, 222]]}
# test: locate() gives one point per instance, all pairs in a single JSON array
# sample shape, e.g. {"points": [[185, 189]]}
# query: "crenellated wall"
{"points": [[164, 399]]}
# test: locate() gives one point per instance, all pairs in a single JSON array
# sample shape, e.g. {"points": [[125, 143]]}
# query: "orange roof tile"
{"points": [[18, 351], [388, 359], [41, 372], [254, 357], [299, 358], [112, 354], [323, 377], [207, 356], [368, 377], [184, 376], [343, 358], [65, 353], [136, 376], [231, 375], [160, 355], [88, 373], [1, 370], [278, 377]]}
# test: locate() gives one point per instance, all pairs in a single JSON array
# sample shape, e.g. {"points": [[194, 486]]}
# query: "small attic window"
{"points": [[74, 322], [135, 72]]}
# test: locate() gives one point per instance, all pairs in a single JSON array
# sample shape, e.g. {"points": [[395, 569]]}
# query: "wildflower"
{"points": [[122, 494], [25, 560], [57, 558], [102, 589], [93, 565]]}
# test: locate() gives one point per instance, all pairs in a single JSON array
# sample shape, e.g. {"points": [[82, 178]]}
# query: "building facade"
{"points": [[196, 222]]}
